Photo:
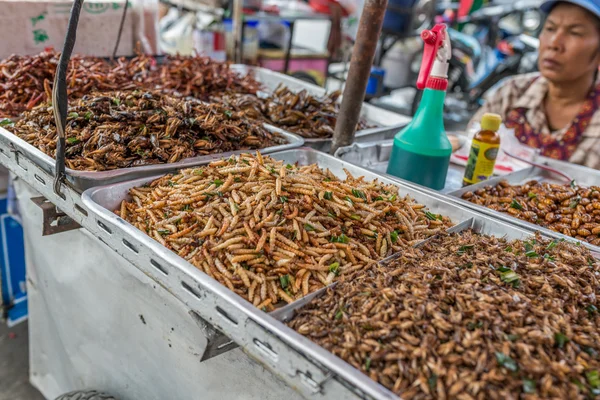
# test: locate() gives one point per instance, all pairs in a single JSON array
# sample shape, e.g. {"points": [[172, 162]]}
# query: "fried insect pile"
{"points": [[199, 77], [300, 113], [271, 231], [127, 129], [26, 81], [469, 316], [569, 209]]}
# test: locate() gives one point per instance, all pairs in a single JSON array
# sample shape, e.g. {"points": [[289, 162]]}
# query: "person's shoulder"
{"points": [[516, 85]]}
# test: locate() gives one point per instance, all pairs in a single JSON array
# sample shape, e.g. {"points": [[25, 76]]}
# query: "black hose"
{"points": [[114, 53], [59, 93]]}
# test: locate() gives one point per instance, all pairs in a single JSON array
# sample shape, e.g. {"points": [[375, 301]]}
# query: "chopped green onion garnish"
{"points": [[393, 198], [355, 217], [309, 227], [463, 249], [528, 386], [592, 309], [283, 199], [506, 362], [328, 196], [432, 216], [593, 378], [560, 340], [285, 281], [218, 182], [359, 194], [510, 277], [531, 195], [73, 115], [515, 204], [432, 382], [335, 268], [73, 140], [394, 236], [339, 239]]}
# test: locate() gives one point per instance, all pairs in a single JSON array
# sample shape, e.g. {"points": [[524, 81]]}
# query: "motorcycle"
{"points": [[503, 50]]}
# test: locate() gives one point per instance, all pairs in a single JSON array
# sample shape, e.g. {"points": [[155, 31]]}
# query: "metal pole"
{"points": [[238, 20], [363, 54]]}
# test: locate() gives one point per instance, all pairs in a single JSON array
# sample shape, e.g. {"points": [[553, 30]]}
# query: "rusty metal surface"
{"points": [[363, 54]]}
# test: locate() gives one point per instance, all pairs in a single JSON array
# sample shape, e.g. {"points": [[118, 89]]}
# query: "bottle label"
{"points": [[482, 159]]}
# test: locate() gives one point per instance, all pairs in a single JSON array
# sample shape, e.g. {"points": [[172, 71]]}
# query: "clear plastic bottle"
{"points": [[484, 150]]}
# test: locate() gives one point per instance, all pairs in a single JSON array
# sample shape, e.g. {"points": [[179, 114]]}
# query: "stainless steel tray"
{"points": [[101, 201], [582, 175], [82, 180], [388, 123]]}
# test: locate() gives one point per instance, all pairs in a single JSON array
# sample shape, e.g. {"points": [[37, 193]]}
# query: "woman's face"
{"points": [[569, 44]]}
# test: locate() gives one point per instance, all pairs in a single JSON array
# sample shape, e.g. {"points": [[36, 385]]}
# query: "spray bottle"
{"points": [[421, 151]]}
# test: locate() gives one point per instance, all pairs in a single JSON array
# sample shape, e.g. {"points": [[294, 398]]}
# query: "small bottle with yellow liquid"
{"points": [[484, 150]]}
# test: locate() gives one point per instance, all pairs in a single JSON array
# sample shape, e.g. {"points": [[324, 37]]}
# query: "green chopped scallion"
{"points": [[335, 268], [506, 362], [560, 340], [284, 280], [515, 204], [528, 386], [309, 227], [359, 194]]}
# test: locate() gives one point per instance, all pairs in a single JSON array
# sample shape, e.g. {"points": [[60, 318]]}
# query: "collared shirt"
{"points": [[527, 92]]}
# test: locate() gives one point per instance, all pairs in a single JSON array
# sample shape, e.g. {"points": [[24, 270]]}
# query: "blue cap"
{"points": [[592, 6]]}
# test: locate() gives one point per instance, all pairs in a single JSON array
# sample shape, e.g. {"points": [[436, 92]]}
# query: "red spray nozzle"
{"points": [[433, 39]]}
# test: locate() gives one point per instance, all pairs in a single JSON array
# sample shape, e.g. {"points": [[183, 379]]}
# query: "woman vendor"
{"points": [[557, 109]]}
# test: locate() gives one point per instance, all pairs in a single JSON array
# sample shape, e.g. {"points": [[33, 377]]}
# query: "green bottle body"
{"points": [[421, 151]]}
